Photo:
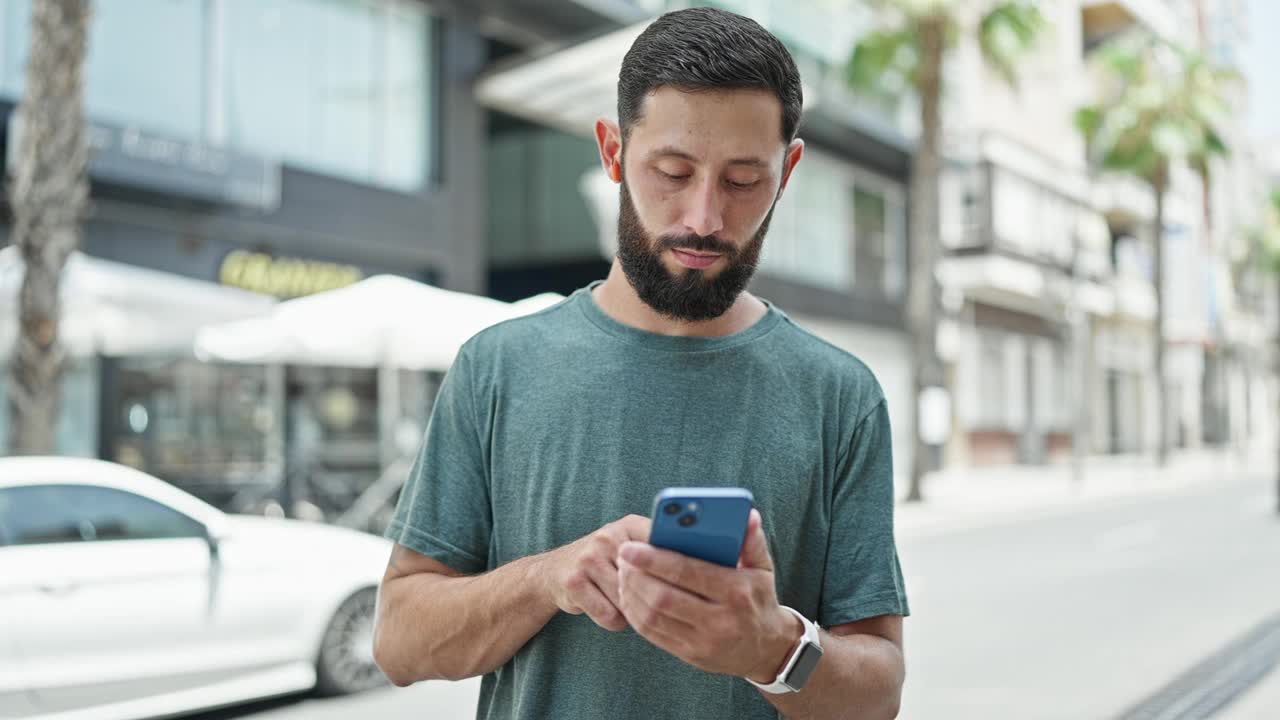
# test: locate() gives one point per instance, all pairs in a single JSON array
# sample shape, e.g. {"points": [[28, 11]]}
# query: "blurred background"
{"points": [[241, 241]]}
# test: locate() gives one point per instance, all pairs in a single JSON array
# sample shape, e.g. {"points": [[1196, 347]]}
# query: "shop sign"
{"points": [[284, 277], [172, 166]]}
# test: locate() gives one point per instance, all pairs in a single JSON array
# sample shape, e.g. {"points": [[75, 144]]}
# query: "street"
{"points": [[1077, 615]]}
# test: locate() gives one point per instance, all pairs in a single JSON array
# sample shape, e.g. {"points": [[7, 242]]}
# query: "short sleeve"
{"points": [[863, 575], [444, 510]]}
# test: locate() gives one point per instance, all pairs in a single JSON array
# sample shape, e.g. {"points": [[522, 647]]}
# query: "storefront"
{"points": [[283, 150]]}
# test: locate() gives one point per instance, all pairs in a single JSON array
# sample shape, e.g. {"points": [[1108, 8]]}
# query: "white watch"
{"points": [[800, 664]]}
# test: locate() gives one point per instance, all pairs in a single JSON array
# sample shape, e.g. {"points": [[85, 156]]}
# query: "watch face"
{"points": [[810, 654]]}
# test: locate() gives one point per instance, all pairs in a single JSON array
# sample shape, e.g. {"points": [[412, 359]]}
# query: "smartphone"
{"points": [[706, 523]]}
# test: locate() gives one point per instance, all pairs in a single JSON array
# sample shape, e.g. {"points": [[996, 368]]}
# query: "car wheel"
{"points": [[345, 664]]}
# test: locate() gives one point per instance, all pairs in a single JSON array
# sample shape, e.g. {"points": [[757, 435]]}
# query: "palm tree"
{"points": [[908, 52], [1161, 107], [48, 192]]}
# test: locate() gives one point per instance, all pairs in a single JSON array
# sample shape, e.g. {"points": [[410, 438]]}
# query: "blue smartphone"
{"points": [[706, 523]]}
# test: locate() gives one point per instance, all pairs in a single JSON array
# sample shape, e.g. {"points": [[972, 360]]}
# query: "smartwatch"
{"points": [[800, 665]]}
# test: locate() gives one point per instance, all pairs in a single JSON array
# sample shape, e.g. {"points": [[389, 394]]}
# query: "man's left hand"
{"points": [[718, 619]]}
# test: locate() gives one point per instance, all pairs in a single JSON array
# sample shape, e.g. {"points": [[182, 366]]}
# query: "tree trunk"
{"points": [[923, 299], [1162, 404], [48, 193]]}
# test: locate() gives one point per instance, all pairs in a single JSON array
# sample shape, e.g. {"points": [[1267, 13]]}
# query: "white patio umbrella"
{"points": [[382, 321], [113, 308]]}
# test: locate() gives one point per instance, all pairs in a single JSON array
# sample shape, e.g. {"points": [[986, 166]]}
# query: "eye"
{"points": [[743, 185], [671, 177]]}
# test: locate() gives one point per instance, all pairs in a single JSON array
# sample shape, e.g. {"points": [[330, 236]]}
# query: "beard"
{"points": [[689, 295]]}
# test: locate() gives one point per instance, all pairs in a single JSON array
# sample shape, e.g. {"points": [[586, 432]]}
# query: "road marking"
{"points": [[1205, 689]]}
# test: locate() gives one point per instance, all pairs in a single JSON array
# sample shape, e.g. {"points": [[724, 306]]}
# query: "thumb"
{"points": [[755, 548]]}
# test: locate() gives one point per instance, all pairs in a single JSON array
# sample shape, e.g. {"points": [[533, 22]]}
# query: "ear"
{"points": [[794, 152], [609, 138]]}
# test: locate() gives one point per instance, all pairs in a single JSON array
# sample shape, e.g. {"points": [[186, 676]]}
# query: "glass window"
{"points": [[870, 221], [41, 514], [810, 238], [336, 86], [407, 124], [209, 429], [990, 412], [16, 16], [145, 67], [1014, 205], [895, 267]]}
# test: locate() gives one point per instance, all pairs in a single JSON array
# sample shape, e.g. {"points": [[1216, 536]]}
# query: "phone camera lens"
{"points": [[671, 508], [687, 520]]}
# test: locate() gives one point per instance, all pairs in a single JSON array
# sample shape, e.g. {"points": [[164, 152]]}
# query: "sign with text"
{"points": [[134, 158], [284, 277]]}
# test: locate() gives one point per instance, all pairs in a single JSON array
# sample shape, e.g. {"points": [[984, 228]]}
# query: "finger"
{"points": [[597, 607], [755, 549], [605, 576], [668, 633], [636, 527], [698, 576], [665, 598], [664, 639]]}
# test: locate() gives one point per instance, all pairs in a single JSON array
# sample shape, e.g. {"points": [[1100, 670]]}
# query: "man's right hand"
{"points": [[582, 577]]}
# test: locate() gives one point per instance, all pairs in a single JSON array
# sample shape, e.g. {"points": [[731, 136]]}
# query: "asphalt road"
{"points": [[1070, 616]]}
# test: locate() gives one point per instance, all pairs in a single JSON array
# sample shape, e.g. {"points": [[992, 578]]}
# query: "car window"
{"points": [[37, 514]]}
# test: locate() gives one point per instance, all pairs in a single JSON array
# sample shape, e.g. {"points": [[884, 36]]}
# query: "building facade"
{"points": [[1049, 279], [283, 148]]}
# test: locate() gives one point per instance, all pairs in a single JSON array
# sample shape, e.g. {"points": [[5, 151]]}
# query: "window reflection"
{"points": [[43, 514], [209, 429], [335, 86]]}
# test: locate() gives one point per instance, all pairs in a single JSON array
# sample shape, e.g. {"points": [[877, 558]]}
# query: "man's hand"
{"points": [[722, 620], [582, 577]]}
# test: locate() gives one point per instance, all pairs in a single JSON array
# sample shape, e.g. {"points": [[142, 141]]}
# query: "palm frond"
{"points": [[1007, 32], [1162, 105], [885, 59], [1087, 120]]}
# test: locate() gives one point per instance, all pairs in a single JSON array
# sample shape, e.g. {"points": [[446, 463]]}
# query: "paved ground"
{"points": [[1080, 615], [1040, 603]]}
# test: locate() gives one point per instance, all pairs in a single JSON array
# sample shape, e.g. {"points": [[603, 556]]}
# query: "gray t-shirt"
{"points": [[550, 426]]}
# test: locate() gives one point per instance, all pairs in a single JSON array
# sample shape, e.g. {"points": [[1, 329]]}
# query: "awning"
{"points": [[383, 321], [112, 308], [570, 87]]}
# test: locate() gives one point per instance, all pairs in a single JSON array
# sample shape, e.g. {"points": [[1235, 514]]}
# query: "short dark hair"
{"points": [[708, 49]]}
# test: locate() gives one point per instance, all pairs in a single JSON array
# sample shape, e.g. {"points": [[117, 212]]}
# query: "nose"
{"points": [[705, 213]]}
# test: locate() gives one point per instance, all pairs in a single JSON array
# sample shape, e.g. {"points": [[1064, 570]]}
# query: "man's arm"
{"points": [[436, 623], [859, 676]]}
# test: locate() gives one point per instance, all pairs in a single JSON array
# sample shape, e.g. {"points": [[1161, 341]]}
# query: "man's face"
{"points": [[701, 173]]}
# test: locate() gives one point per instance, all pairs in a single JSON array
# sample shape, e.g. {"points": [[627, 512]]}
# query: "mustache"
{"points": [[697, 243]]}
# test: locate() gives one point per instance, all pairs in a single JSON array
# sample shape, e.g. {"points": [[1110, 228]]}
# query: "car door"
{"points": [[15, 697], [113, 591]]}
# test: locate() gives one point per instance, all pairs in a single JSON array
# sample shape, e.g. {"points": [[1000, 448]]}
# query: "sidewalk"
{"points": [[973, 497]]}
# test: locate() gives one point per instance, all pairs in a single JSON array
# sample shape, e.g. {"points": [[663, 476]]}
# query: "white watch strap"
{"points": [[811, 636]]}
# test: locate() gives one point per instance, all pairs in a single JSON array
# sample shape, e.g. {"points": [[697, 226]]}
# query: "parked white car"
{"points": [[123, 597]]}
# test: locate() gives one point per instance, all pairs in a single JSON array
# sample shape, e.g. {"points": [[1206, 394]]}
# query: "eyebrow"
{"points": [[669, 151]]}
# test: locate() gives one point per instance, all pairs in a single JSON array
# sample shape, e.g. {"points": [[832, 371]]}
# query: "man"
{"points": [[522, 548]]}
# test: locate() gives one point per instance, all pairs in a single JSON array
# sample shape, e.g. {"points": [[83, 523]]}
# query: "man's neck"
{"points": [[619, 300]]}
